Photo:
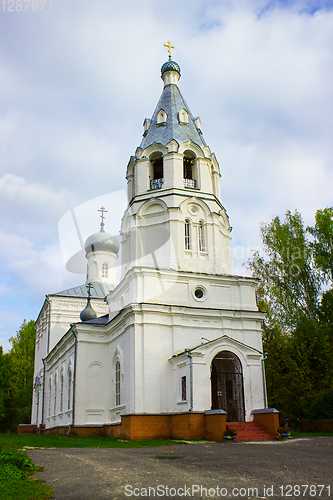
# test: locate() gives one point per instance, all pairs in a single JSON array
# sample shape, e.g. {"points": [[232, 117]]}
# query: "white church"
{"points": [[178, 338]]}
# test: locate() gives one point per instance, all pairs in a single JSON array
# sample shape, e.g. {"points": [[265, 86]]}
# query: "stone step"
{"points": [[250, 431]]}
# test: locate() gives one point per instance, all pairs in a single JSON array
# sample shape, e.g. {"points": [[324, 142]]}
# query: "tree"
{"points": [[323, 244], [298, 329], [289, 281], [20, 376], [4, 383]]}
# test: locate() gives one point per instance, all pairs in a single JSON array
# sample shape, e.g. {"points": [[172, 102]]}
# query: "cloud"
{"points": [[76, 84]]}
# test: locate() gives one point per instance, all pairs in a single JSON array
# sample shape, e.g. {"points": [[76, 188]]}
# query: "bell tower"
{"points": [[175, 218]]}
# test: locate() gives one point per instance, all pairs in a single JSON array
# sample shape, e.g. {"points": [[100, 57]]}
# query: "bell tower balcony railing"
{"points": [[190, 183], [156, 183]]}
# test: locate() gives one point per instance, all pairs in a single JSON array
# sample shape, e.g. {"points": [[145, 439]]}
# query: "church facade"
{"points": [[178, 334]]}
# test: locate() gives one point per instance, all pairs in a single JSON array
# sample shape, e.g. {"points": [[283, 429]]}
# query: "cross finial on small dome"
{"points": [[102, 209], [169, 47], [89, 287]]}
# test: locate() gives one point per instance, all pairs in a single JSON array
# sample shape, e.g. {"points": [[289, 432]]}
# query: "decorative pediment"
{"points": [[183, 117], [156, 146], [197, 123], [161, 117], [225, 342], [173, 146], [146, 125], [192, 146]]}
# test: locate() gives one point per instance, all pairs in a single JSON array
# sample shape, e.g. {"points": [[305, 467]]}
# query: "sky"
{"points": [[77, 80]]}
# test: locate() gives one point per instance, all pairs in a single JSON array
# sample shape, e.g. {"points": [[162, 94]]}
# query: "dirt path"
{"points": [[210, 470]]}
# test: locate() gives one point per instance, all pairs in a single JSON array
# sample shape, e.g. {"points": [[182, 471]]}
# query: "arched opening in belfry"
{"points": [[189, 169], [227, 386], [156, 171]]}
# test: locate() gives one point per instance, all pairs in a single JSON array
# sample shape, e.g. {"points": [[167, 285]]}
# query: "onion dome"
{"points": [[88, 312], [102, 242], [170, 66]]}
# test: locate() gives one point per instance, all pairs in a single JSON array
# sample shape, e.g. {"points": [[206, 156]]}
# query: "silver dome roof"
{"points": [[101, 242]]}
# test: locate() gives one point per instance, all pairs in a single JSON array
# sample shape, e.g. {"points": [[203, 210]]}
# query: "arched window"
{"points": [[55, 395], [187, 235], [50, 396], [117, 383], [188, 170], [188, 167], [61, 392], [105, 270], [201, 237], [156, 175], [158, 168], [69, 389]]}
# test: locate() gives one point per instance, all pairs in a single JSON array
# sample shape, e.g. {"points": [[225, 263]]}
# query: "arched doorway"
{"points": [[227, 386]]}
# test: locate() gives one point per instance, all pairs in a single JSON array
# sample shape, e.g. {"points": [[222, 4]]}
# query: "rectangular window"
{"points": [[187, 236], [117, 383], [105, 270], [55, 396], [69, 390], [183, 387], [201, 238], [61, 393], [50, 396]]}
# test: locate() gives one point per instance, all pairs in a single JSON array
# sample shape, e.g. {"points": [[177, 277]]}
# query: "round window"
{"points": [[200, 293]]}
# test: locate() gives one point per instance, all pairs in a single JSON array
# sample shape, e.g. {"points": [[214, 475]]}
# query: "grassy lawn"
{"points": [[16, 467], [16, 442], [310, 434]]}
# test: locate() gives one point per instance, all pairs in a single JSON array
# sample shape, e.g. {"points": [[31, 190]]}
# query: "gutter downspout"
{"points": [[189, 355], [74, 375], [264, 378], [43, 396]]}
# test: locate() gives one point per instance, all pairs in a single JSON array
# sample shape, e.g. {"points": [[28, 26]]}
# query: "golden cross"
{"points": [[169, 46]]}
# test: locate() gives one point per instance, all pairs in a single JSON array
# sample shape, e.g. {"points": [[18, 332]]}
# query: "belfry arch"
{"points": [[227, 390]]}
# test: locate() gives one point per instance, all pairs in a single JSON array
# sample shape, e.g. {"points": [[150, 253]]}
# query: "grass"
{"points": [[310, 434], [16, 466], [15, 469], [16, 442]]}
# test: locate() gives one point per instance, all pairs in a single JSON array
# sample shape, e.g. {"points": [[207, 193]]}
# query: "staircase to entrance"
{"points": [[250, 431]]}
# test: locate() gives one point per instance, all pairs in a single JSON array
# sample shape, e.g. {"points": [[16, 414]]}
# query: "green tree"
{"points": [[21, 370], [298, 328], [289, 281], [4, 385], [323, 244]]}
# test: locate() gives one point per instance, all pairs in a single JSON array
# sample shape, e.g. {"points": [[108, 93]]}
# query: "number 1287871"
{"points": [[25, 5]]}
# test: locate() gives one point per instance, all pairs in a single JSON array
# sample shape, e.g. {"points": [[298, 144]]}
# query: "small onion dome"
{"points": [[88, 312], [170, 66], [102, 242]]}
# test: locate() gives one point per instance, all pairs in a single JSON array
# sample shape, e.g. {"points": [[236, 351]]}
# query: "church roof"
{"points": [[102, 242], [204, 344], [98, 291], [172, 102], [102, 320]]}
